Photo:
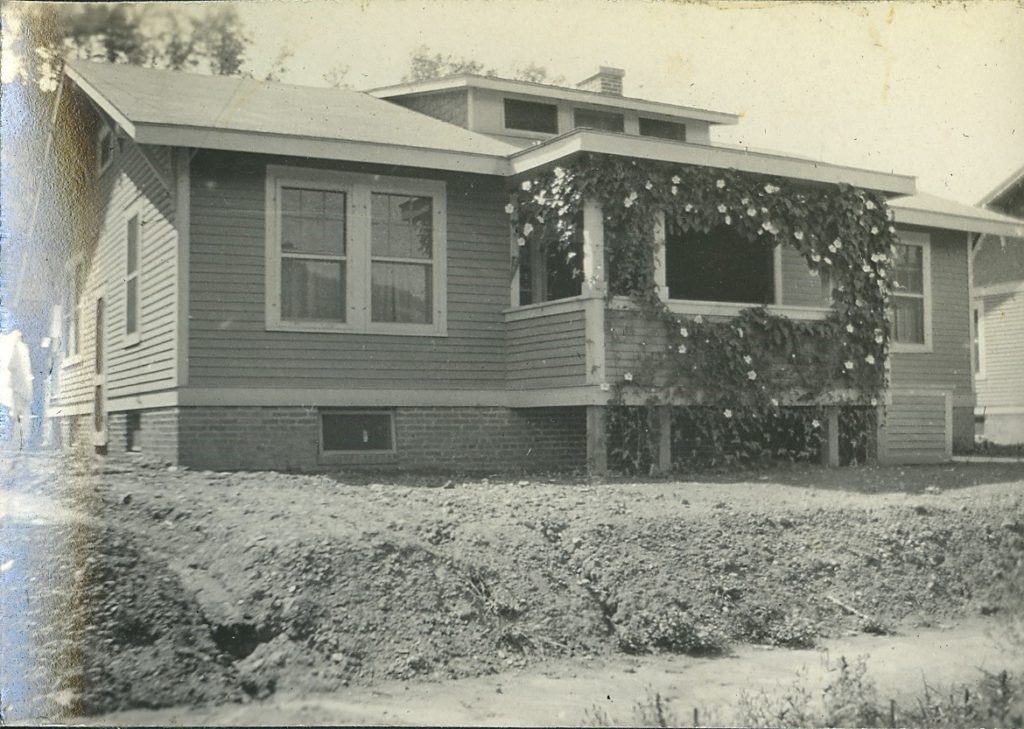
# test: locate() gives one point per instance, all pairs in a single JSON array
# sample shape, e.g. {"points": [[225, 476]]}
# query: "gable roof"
{"points": [[182, 109], [938, 212], [1003, 187], [531, 88]]}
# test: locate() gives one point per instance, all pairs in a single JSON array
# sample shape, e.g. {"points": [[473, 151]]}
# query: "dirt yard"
{"points": [[131, 587]]}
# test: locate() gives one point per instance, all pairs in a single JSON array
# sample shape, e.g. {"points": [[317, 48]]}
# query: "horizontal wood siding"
{"points": [[148, 365], [948, 364], [547, 351], [998, 260], [229, 345], [629, 338], [1003, 384], [799, 287], [915, 428], [449, 106]]}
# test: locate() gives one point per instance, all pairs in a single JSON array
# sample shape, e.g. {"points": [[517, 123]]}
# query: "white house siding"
{"points": [[1001, 390], [149, 365]]}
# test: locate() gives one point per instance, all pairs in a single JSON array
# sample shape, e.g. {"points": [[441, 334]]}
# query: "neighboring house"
{"points": [[999, 322], [291, 278]]}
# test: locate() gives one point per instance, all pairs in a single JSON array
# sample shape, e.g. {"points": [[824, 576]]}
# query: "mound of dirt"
{"points": [[204, 587]]}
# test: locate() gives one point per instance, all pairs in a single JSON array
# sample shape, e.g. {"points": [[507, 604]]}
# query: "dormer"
{"points": [[525, 113]]}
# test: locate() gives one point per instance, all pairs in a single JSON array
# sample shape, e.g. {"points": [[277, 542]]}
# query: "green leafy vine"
{"points": [[743, 371]]}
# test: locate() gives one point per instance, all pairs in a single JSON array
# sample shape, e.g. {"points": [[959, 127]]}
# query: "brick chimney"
{"points": [[607, 80]]}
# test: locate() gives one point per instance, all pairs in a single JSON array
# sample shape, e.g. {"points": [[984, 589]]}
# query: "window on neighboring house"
{"points": [[978, 312], [531, 116], [73, 312], [104, 148], [355, 252], [911, 316], [550, 270], [662, 129], [132, 292], [357, 432], [720, 265], [592, 119]]}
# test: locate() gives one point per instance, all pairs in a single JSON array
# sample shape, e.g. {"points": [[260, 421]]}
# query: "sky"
{"points": [[926, 89]]}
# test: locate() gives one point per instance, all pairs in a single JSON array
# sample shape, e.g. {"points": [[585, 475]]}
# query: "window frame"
{"points": [[358, 189], [978, 309], [577, 110], [533, 132], [135, 210], [922, 241], [71, 317], [326, 454], [104, 140]]}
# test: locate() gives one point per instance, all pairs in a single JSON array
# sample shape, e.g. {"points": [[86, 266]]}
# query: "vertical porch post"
{"points": [[594, 291], [830, 443]]}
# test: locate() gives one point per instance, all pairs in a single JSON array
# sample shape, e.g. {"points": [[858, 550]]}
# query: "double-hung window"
{"points": [[72, 325], [911, 299], [133, 267], [355, 252]]}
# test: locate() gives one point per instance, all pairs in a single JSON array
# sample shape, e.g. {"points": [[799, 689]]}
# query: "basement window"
{"points": [[720, 265], [133, 432], [531, 116], [357, 432], [662, 129]]}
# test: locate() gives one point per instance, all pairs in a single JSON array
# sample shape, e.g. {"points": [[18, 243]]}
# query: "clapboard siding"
{"points": [[629, 338], [229, 345], [799, 287], [948, 364], [149, 365], [449, 106], [998, 260], [915, 428], [548, 350], [1003, 384]]}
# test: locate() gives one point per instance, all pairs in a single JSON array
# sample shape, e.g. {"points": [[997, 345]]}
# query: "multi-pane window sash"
{"points": [[133, 257], [354, 252], [909, 295]]}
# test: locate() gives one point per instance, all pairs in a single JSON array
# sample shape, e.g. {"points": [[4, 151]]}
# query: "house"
{"points": [[274, 276], [998, 312]]}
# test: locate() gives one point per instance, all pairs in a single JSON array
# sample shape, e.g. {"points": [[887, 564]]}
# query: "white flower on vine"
{"points": [[849, 328], [675, 189], [720, 184], [698, 319], [627, 202], [527, 185], [728, 220], [510, 208], [799, 234], [727, 413], [865, 268], [874, 401], [527, 229], [815, 423], [722, 208], [831, 248], [751, 375], [881, 273], [628, 377], [775, 403], [889, 215], [751, 212], [521, 240], [770, 227], [744, 201], [837, 243], [878, 337], [815, 257], [676, 179], [688, 207], [747, 359], [870, 359], [771, 189], [649, 185], [869, 205], [559, 172], [739, 332], [684, 332], [874, 230], [848, 364], [681, 349], [828, 261]]}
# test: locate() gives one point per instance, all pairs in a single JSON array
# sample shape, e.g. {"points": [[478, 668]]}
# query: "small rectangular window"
{"points": [[531, 116], [357, 432], [133, 432], [133, 254], [909, 295], [662, 129], [604, 120]]}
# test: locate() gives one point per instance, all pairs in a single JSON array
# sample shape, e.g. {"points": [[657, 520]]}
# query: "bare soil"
{"points": [[134, 587]]}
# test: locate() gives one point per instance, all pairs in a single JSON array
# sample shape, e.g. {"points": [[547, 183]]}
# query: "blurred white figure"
{"points": [[15, 388]]}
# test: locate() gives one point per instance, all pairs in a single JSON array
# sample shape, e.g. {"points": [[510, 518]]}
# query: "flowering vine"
{"points": [[742, 369]]}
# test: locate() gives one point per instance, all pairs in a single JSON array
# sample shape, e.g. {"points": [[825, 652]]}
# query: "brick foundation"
{"points": [[449, 439]]}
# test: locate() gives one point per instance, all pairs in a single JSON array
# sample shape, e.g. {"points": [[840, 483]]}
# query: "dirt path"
{"points": [[559, 693]]}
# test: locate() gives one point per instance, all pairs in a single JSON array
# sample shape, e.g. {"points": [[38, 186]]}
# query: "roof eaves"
{"points": [[1003, 187], [102, 101]]}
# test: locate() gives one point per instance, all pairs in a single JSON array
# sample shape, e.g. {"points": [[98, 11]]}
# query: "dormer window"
{"points": [[662, 129], [531, 116], [593, 119], [104, 149]]}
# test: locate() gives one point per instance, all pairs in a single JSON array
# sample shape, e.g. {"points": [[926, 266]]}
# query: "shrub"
{"points": [[669, 629]]}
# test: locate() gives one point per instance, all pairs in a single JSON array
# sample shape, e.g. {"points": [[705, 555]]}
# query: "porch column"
{"points": [[597, 443], [594, 290], [664, 438], [830, 442]]}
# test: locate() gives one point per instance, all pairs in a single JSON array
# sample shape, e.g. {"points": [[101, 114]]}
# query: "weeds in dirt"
{"points": [[771, 625], [668, 629]]}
